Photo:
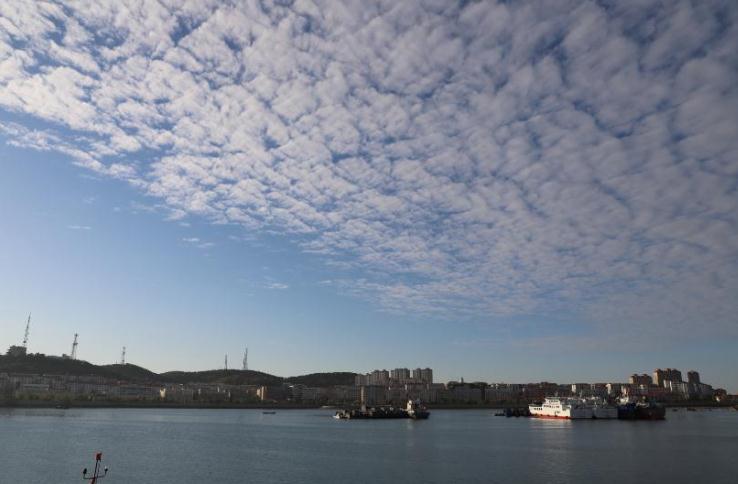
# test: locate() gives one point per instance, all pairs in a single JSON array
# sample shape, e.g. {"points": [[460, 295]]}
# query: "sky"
{"points": [[500, 191]]}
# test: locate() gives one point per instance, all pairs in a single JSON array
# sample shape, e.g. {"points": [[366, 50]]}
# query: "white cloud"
{"points": [[277, 285], [490, 159], [79, 227]]}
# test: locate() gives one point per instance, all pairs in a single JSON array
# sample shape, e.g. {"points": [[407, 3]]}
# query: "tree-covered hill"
{"points": [[54, 365]]}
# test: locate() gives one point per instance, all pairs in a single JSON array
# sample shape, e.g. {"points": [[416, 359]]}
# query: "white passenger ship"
{"points": [[555, 407]]}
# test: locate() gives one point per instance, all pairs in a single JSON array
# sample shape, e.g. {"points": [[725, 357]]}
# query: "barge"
{"points": [[413, 410]]}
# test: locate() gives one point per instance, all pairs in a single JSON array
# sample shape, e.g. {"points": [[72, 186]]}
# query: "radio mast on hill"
{"points": [[25, 335], [123, 356], [226, 361], [73, 355], [246, 359]]}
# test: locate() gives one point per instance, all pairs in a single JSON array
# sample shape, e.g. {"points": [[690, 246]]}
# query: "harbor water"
{"points": [[308, 446]]}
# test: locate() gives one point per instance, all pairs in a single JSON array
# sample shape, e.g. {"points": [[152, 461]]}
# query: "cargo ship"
{"points": [[630, 409], [414, 410]]}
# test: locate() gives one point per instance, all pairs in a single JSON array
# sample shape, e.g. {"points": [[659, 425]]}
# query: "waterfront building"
{"points": [[397, 395], [33, 389], [581, 389], [700, 390], [347, 393], [501, 392], [177, 393], [679, 388], [670, 374], [272, 393], [644, 379], [674, 375], [372, 395], [693, 377], [426, 375], [614, 389], [539, 391], [423, 375], [396, 376], [296, 392], [658, 377], [134, 392], [400, 375], [466, 392], [379, 377], [312, 394]]}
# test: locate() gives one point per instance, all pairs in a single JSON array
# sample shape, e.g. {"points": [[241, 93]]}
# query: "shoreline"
{"points": [[61, 405]]}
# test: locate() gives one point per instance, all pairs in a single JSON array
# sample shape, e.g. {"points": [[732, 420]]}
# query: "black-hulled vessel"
{"points": [[413, 410], [640, 410]]}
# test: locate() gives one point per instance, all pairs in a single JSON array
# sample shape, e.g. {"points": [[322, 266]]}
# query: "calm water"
{"points": [[307, 446]]}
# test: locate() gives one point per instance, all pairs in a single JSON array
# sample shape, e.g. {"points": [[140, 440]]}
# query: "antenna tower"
{"points": [[123, 356], [246, 359], [226, 361], [25, 335], [73, 355]]}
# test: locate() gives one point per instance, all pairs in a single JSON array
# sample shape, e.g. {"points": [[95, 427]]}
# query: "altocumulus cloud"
{"points": [[462, 157]]}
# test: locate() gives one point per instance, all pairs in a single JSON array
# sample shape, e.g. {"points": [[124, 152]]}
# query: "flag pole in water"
{"points": [[96, 473]]}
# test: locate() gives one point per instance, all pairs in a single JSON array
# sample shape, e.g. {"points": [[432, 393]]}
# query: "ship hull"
{"points": [[641, 412], [553, 409], [605, 413]]}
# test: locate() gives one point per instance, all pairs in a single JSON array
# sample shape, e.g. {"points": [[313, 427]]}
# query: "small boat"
{"points": [[269, 412]]}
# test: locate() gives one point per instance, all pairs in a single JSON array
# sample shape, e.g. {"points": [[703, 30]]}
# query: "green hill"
{"points": [[54, 365], [324, 379], [228, 377]]}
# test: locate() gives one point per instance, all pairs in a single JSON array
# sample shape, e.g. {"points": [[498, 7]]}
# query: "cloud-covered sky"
{"points": [[460, 160]]}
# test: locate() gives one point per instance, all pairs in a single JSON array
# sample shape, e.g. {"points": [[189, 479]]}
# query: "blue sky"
{"points": [[502, 192]]}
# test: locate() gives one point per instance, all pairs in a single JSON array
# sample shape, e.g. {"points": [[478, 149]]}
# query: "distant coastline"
{"points": [[59, 404]]}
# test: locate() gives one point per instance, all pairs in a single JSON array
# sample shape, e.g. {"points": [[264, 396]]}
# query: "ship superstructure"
{"points": [[564, 408]]}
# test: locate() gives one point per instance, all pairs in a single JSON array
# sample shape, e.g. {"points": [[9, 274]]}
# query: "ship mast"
{"points": [[96, 472]]}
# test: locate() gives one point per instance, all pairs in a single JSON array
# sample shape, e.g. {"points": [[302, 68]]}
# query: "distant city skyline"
{"points": [[505, 192]]}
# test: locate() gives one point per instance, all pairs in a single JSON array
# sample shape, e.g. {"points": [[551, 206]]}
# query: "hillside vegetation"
{"points": [[51, 365]]}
